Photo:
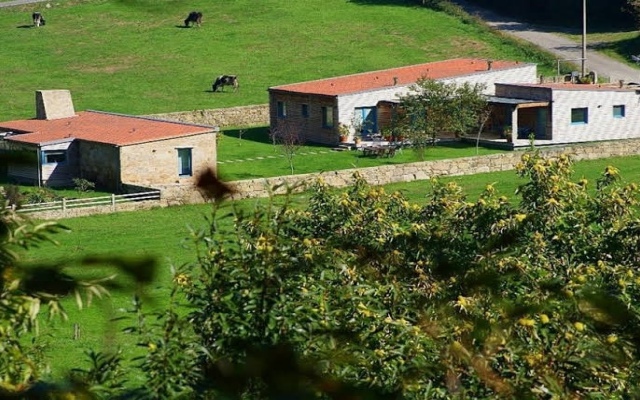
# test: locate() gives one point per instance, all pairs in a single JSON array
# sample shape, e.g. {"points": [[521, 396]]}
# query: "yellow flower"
{"points": [[579, 326], [379, 352], [181, 280], [611, 339], [152, 346], [552, 202], [526, 322], [520, 217], [544, 318]]}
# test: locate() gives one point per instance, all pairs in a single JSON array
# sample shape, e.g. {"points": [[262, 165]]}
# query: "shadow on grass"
{"points": [[625, 48], [260, 134]]}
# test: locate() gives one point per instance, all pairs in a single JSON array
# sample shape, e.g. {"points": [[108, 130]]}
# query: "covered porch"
{"points": [[513, 120]]}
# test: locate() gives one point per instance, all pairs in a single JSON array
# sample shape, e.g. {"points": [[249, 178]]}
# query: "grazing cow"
{"points": [[38, 19], [226, 80], [194, 17]]}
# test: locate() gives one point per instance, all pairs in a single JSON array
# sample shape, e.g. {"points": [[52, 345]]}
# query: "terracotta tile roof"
{"points": [[95, 126], [403, 76]]}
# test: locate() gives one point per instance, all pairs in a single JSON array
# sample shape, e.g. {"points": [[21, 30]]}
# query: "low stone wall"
{"points": [[93, 210], [222, 117]]}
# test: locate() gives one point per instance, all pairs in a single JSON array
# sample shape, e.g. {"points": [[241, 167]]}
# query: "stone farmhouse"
{"points": [[112, 150], [557, 113]]}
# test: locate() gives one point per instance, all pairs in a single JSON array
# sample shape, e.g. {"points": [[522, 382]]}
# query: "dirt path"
{"points": [[19, 2], [563, 48]]}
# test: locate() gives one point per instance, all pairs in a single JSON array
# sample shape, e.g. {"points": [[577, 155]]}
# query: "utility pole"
{"points": [[584, 35]]}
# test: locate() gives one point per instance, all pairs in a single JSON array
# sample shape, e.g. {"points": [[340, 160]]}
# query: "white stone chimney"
{"points": [[54, 104]]}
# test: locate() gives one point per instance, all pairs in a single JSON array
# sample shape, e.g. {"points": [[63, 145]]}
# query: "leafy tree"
{"points": [[434, 107], [449, 299]]}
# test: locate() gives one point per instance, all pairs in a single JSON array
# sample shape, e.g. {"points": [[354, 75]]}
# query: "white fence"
{"points": [[107, 201]]}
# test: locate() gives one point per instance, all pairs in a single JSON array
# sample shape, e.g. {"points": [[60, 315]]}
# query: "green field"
{"points": [[134, 56]]}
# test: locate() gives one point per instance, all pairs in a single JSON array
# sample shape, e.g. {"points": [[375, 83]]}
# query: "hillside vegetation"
{"points": [[135, 56]]}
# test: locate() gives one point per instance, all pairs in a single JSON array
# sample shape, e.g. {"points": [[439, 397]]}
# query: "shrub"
{"points": [[83, 185], [41, 195]]}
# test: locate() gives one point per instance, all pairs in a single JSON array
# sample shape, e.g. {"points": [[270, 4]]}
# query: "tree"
{"points": [[435, 107], [449, 299], [287, 134]]}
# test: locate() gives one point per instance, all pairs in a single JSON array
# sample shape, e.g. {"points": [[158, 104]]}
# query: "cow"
{"points": [[226, 80], [38, 19], [194, 17]]}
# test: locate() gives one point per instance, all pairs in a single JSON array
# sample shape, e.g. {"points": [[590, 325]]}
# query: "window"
{"points": [[579, 115], [305, 110], [184, 162], [282, 109], [618, 111], [327, 117], [54, 156]]}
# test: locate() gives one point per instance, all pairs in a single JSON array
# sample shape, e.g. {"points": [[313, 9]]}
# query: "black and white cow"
{"points": [[38, 19], [194, 17], [226, 80]]}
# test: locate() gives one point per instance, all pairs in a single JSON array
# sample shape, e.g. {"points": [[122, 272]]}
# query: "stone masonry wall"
{"points": [[222, 117], [254, 188]]}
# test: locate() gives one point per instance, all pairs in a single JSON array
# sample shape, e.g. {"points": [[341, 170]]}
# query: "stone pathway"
{"points": [[306, 153]]}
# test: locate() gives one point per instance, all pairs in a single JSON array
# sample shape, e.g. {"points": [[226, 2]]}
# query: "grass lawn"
{"points": [[161, 233], [254, 156], [135, 57]]}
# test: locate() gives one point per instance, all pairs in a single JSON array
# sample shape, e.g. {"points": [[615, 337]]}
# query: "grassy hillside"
{"points": [[134, 56]]}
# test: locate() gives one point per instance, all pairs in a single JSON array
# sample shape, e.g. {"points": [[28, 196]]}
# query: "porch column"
{"points": [[514, 121]]}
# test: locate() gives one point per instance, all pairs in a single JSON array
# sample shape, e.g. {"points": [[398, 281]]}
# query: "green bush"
{"points": [[83, 185], [40, 195]]}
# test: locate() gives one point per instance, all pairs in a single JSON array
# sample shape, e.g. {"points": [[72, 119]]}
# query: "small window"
{"points": [[54, 156], [618, 111], [327, 117], [305, 110], [579, 115], [184, 162], [282, 109]]}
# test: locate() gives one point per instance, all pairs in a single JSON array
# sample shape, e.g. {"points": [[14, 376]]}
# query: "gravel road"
{"points": [[563, 48], [19, 2]]}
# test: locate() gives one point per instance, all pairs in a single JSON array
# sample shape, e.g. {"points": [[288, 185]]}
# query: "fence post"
{"points": [[64, 206], [113, 202]]}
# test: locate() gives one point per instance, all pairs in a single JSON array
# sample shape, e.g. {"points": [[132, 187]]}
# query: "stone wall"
{"points": [[94, 210], [222, 117]]}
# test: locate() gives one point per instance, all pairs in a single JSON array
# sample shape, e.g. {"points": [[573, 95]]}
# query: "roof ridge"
{"points": [[148, 118]]}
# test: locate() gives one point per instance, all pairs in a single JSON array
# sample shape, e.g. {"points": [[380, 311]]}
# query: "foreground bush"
{"points": [[364, 295], [451, 298]]}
